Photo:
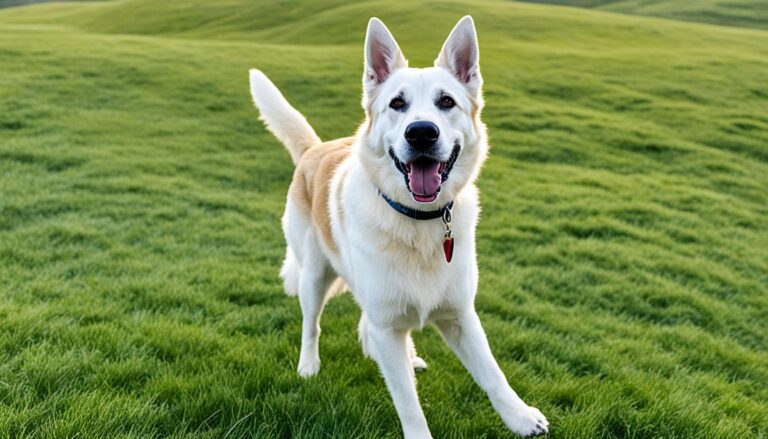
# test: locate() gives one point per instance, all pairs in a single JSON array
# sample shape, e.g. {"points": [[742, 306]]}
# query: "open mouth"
{"points": [[424, 176]]}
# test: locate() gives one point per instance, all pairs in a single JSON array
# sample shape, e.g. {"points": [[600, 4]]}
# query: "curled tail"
{"points": [[284, 121]]}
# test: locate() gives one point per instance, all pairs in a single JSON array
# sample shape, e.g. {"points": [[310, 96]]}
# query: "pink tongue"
{"points": [[424, 179]]}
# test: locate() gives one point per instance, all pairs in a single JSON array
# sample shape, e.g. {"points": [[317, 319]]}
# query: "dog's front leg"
{"points": [[390, 350], [466, 337]]}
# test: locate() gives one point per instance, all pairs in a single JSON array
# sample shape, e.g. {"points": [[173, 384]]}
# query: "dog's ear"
{"points": [[461, 54], [382, 54]]}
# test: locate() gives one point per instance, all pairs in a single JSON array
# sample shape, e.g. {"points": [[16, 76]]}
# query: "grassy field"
{"points": [[748, 13], [623, 246]]}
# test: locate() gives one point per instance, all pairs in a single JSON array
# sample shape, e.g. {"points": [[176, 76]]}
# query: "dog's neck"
{"points": [[443, 213], [416, 213]]}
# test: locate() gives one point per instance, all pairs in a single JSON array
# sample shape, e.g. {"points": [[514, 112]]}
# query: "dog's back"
{"points": [[311, 185], [316, 162]]}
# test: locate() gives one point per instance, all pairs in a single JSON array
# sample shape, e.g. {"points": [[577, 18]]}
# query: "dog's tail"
{"points": [[284, 121]]}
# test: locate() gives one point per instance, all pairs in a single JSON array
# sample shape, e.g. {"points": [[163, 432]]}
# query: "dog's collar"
{"points": [[415, 213], [444, 213]]}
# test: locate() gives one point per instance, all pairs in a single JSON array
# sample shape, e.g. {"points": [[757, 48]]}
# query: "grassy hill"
{"points": [[622, 246], [748, 13], [9, 3]]}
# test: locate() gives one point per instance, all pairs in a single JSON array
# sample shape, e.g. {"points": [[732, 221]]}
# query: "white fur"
{"points": [[393, 264], [283, 121]]}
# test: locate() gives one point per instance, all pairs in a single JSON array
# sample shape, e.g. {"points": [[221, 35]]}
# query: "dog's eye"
{"points": [[446, 102], [397, 103]]}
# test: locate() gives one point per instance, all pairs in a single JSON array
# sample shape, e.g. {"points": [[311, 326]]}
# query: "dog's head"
{"points": [[423, 139]]}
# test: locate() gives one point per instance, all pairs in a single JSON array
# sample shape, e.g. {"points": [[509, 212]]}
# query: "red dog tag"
{"points": [[448, 248]]}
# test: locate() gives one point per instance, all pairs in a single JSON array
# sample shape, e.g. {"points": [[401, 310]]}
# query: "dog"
{"points": [[390, 213]]}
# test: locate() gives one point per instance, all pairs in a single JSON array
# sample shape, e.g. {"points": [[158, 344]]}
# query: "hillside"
{"points": [[747, 13], [622, 243], [9, 3]]}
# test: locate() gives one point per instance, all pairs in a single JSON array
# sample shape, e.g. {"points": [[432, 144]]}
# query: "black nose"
{"points": [[421, 134]]}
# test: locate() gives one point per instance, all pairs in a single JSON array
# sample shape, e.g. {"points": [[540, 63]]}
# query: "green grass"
{"points": [[748, 13], [622, 248]]}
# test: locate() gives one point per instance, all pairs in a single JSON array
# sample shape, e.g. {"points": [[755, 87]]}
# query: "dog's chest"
{"points": [[402, 272], [417, 249], [396, 265], [413, 296]]}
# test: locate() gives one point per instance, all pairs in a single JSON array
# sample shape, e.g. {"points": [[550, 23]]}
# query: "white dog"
{"points": [[392, 212]]}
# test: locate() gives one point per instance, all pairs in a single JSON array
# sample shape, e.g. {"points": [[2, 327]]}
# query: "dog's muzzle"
{"points": [[424, 175]]}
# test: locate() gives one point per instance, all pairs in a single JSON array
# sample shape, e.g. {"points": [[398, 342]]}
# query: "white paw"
{"points": [[309, 368], [527, 421], [418, 363]]}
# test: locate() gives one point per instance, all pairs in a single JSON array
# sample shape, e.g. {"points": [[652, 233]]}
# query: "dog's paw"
{"points": [[309, 368], [527, 421], [418, 363]]}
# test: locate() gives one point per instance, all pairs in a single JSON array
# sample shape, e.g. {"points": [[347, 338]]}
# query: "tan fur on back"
{"points": [[311, 183]]}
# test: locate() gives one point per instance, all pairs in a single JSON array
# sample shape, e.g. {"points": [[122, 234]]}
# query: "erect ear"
{"points": [[382, 54], [461, 54]]}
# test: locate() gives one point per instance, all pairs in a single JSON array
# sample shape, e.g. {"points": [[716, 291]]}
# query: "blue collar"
{"points": [[415, 213]]}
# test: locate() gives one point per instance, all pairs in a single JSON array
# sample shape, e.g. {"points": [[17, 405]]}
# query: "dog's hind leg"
{"points": [[417, 362], [290, 272], [362, 334], [295, 227], [315, 279]]}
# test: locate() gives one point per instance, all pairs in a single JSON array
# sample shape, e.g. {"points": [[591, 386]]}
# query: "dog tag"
{"points": [[448, 248], [448, 238]]}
